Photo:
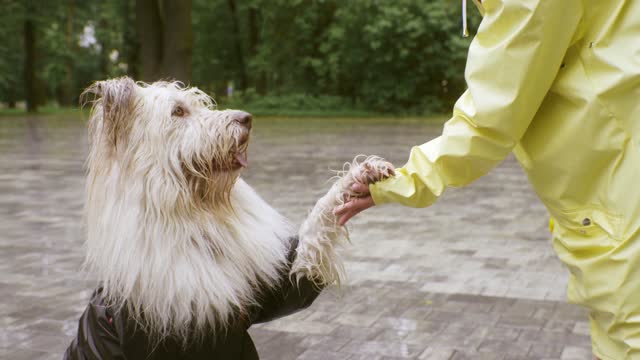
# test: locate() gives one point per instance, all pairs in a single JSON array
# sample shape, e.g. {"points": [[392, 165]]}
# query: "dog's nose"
{"points": [[243, 119]]}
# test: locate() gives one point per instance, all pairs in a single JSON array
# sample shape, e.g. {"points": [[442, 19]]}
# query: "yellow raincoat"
{"points": [[557, 82]]}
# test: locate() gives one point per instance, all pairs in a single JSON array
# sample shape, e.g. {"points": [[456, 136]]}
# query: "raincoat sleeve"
{"points": [[512, 62], [289, 297]]}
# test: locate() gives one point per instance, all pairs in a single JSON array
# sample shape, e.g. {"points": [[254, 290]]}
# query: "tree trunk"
{"points": [[327, 14], [150, 37], [166, 39], [30, 80], [259, 75], [237, 39], [177, 40], [105, 46], [130, 43], [66, 93]]}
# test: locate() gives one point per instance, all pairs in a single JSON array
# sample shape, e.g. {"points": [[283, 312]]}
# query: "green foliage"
{"points": [[11, 58], [402, 56], [290, 101], [63, 66], [396, 55], [298, 104], [360, 56], [46, 110]]}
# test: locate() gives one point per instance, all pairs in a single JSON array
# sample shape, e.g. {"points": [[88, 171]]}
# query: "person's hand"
{"points": [[354, 205], [357, 196]]}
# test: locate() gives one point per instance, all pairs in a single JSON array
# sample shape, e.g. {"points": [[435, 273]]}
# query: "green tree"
{"points": [[382, 55], [395, 55], [11, 52]]}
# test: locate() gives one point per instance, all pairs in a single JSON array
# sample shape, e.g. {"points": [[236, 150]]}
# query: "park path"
{"points": [[473, 277]]}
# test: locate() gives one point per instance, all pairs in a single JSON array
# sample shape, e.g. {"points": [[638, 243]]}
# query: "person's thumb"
{"points": [[360, 188]]}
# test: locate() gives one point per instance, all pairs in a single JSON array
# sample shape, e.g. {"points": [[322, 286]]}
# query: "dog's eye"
{"points": [[178, 111]]}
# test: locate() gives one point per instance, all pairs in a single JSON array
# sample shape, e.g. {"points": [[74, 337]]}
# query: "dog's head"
{"points": [[171, 233], [170, 132]]}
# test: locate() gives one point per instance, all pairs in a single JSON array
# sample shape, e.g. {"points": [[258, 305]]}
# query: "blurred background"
{"points": [[269, 56]]}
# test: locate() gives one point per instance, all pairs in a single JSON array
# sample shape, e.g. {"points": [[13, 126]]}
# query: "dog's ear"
{"points": [[112, 103], [115, 96]]}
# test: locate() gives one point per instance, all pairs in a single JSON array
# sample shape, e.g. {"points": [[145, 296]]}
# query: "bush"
{"points": [[292, 104], [300, 104]]}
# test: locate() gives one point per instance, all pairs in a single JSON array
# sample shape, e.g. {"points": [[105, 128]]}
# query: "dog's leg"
{"points": [[320, 233]]}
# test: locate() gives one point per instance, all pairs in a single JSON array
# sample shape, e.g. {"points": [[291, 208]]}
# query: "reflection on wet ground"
{"points": [[472, 277]]}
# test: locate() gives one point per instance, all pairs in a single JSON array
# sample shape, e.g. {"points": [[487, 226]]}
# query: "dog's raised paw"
{"points": [[321, 234], [370, 170]]}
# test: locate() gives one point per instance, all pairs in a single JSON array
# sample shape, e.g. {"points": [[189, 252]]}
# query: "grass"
{"points": [[333, 121], [309, 113], [43, 110]]}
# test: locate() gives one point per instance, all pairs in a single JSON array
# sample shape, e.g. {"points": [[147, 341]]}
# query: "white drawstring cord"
{"points": [[465, 30]]}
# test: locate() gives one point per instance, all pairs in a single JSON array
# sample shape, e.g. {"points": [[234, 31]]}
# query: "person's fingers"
{"points": [[360, 188], [339, 210], [344, 218], [352, 208], [347, 216]]}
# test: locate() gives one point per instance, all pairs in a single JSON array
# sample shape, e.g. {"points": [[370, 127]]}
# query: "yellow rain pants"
{"points": [[557, 82]]}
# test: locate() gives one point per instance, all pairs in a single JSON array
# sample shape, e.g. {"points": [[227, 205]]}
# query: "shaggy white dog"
{"points": [[174, 235]]}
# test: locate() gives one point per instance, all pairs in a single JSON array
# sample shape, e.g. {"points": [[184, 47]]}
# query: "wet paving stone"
{"points": [[472, 277]]}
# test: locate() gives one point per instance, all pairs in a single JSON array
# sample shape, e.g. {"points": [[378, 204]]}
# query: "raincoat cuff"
{"points": [[379, 191], [403, 189]]}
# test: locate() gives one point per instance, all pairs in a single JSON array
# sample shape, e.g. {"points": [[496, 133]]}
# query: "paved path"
{"points": [[473, 277]]}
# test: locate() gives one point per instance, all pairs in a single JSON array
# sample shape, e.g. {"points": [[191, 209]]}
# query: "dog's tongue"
{"points": [[241, 158]]}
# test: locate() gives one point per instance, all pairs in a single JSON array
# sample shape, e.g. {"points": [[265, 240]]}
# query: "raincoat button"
{"points": [[586, 222]]}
